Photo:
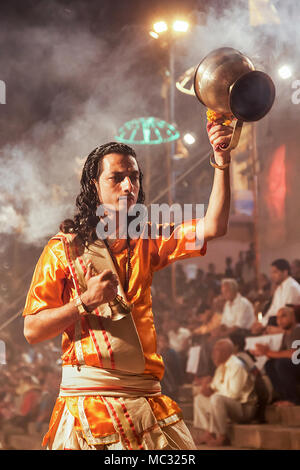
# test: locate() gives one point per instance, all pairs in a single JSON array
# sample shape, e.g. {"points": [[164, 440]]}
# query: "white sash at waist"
{"points": [[87, 381]]}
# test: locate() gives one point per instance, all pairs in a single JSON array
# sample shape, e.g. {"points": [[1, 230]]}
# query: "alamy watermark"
{"points": [[157, 220], [2, 92], [296, 94], [296, 354], [2, 353]]}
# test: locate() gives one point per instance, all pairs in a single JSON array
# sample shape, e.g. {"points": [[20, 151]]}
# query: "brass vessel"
{"points": [[226, 82]]}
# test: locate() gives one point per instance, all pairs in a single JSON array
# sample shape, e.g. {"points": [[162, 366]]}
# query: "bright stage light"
{"points": [[180, 26], [154, 34], [285, 72], [189, 139], [160, 27]]}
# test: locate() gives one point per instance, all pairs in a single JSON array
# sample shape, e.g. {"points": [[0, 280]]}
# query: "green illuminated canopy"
{"points": [[147, 131]]}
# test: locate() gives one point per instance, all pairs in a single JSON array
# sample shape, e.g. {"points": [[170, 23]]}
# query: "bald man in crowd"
{"points": [[229, 394], [283, 366]]}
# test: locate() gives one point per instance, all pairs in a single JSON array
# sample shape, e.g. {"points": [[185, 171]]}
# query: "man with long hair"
{"points": [[97, 294]]}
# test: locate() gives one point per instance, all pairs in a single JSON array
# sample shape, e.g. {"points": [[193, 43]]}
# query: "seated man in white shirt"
{"points": [[238, 315], [238, 311], [287, 292], [229, 394]]}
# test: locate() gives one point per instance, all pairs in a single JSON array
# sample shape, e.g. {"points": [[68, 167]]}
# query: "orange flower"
{"points": [[213, 116]]}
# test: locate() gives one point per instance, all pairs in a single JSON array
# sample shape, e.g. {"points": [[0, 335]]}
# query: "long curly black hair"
{"points": [[85, 219]]}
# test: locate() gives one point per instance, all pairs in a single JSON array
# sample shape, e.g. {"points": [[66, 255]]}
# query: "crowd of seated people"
{"points": [[29, 378], [232, 313], [221, 313]]}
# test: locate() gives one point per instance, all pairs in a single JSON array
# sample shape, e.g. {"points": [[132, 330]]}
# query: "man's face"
{"points": [[119, 178], [227, 292], [285, 318], [220, 353], [278, 276]]}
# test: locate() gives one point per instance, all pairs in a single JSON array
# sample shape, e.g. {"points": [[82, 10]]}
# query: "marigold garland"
{"points": [[213, 116]]}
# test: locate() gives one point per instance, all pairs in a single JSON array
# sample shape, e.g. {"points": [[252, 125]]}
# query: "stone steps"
{"points": [[280, 432], [17, 439], [256, 436], [288, 416], [265, 436], [25, 442]]}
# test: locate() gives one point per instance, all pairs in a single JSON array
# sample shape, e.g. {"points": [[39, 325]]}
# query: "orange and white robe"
{"points": [[110, 393]]}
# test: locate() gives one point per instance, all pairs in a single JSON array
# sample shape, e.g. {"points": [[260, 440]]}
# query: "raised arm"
{"points": [[217, 214]]}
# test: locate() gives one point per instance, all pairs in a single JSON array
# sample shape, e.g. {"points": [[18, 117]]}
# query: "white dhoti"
{"points": [[171, 437], [215, 412], [124, 395]]}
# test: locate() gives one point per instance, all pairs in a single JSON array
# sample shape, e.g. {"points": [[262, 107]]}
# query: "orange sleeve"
{"points": [[180, 244], [50, 285]]}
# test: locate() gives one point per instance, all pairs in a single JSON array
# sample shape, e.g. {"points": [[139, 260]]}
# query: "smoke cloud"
{"points": [[68, 92], [70, 87]]}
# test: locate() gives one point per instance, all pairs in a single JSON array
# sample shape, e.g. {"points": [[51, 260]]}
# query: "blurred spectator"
{"points": [[211, 269], [238, 314], [228, 267], [178, 335], [212, 290], [210, 319], [238, 269], [180, 279], [173, 376], [229, 394], [248, 270], [211, 274], [296, 310], [264, 286], [283, 373], [262, 384], [262, 295], [179, 339], [287, 291], [295, 270], [29, 390], [50, 384], [200, 282], [238, 311]]}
